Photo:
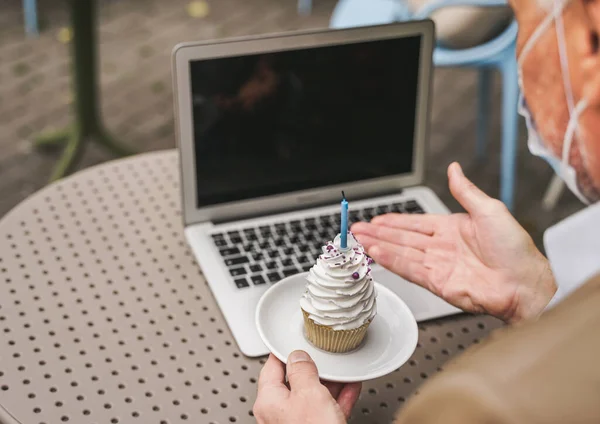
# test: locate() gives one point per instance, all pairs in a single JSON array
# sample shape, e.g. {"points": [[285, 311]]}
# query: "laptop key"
{"points": [[271, 265], [257, 256], [264, 244], [273, 253], [247, 247], [306, 267], [413, 207], [310, 237], [258, 280], [279, 242], [303, 260], [234, 233], [381, 210], [255, 268], [294, 239], [235, 240], [217, 236], [241, 283], [303, 248], [324, 218], [235, 272], [220, 242], [288, 251], [274, 277], [230, 251], [236, 261], [251, 237], [286, 262], [311, 227], [288, 272]]}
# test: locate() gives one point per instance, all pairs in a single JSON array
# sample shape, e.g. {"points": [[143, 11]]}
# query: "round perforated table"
{"points": [[106, 318]]}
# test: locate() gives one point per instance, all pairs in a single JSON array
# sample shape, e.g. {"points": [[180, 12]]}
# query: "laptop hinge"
{"points": [[302, 208]]}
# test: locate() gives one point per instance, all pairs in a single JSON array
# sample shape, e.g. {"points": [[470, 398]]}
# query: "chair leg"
{"points": [[483, 111], [31, 18], [510, 122], [304, 7]]}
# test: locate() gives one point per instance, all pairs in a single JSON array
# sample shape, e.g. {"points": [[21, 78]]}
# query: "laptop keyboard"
{"points": [[265, 254]]}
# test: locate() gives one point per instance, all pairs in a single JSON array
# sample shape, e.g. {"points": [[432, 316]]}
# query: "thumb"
{"points": [[468, 194], [301, 371]]}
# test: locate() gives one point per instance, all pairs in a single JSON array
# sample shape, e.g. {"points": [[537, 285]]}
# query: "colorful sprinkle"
{"points": [[355, 275]]}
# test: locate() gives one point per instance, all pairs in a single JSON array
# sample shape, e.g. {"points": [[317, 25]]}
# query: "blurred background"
{"points": [[134, 47]]}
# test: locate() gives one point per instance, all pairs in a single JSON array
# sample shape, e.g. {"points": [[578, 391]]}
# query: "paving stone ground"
{"points": [[136, 39]]}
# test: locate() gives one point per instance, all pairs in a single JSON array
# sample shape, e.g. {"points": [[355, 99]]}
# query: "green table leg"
{"points": [[88, 123]]}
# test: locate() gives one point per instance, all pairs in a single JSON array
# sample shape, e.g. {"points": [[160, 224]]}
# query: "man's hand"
{"points": [[307, 400], [482, 261]]}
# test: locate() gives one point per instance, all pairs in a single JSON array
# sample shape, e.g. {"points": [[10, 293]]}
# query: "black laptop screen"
{"points": [[274, 123]]}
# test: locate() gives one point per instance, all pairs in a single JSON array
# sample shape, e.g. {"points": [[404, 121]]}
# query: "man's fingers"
{"points": [[424, 224], [475, 201], [272, 374], [404, 261], [348, 397], [395, 236], [301, 371], [334, 388]]}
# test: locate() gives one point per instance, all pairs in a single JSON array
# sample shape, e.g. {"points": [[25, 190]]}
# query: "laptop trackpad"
{"points": [[423, 304]]}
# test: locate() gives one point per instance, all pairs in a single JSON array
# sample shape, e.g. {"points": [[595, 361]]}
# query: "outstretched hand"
{"points": [[481, 261]]}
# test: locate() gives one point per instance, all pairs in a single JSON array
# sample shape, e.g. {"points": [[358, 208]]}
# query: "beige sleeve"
{"points": [[547, 371], [458, 399]]}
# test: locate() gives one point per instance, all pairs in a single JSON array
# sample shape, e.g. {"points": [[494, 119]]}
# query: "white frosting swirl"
{"points": [[340, 292]]}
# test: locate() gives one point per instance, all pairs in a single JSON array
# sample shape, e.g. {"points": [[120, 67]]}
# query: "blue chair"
{"points": [[31, 18], [304, 7], [498, 53]]}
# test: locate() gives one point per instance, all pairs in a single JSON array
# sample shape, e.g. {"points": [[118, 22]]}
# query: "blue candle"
{"points": [[344, 223]]}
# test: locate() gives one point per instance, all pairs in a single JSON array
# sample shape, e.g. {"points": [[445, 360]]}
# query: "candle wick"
{"points": [[343, 195]]}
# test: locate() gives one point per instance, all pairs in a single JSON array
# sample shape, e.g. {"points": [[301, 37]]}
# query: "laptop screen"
{"points": [[274, 123]]}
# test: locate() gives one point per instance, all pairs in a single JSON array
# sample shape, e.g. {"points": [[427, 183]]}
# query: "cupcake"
{"points": [[339, 302]]}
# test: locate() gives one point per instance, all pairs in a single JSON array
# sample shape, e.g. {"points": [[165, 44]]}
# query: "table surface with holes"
{"points": [[106, 318]]}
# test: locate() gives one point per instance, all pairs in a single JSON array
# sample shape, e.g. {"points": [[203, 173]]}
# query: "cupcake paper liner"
{"points": [[330, 340]]}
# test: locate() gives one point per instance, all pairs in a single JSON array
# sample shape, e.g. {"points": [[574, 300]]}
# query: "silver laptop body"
{"points": [[270, 130]]}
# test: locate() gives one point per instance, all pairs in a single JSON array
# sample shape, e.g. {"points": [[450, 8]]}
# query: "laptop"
{"points": [[271, 129]]}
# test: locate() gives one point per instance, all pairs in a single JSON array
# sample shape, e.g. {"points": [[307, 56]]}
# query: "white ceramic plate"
{"points": [[391, 338]]}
